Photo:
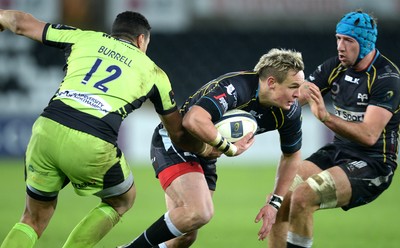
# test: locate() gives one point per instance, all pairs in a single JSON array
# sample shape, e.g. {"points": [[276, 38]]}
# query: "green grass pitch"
{"points": [[240, 193]]}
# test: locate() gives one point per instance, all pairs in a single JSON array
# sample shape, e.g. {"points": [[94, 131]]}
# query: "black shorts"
{"points": [[368, 177], [164, 154]]}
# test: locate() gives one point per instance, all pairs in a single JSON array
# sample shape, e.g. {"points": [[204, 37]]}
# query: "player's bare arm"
{"points": [[365, 132], [198, 122], [173, 124], [22, 24], [286, 172]]}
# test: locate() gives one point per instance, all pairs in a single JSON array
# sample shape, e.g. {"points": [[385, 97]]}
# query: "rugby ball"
{"points": [[235, 124]]}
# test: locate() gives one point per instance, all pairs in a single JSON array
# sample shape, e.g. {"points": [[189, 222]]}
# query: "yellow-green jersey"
{"points": [[106, 79]]}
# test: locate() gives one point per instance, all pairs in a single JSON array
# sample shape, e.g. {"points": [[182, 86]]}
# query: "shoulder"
{"points": [[241, 84], [385, 67], [67, 34], [323, 71], [329, 64], [294, 113]]}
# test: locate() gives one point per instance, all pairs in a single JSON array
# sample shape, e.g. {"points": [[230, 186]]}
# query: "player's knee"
{"points": [[301, 199], [324, 185], [201, 216], [124, 202]]}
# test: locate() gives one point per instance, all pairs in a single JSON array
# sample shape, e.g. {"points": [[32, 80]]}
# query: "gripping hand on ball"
{"points": [[244, 143]]}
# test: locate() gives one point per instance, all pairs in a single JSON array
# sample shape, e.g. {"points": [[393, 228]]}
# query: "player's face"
{"points": [[285, 93], [348, 50]]}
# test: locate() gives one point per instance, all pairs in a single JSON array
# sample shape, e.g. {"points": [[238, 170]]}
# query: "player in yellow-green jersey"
{"points": [[75, 138]]}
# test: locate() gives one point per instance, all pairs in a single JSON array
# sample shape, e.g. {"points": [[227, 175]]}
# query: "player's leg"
{"points": [[43, 183], [279, 230], [277, 236], [98, 169], [190, 193], [100, 220], [185, 240], [34, 221], [327, 189]]}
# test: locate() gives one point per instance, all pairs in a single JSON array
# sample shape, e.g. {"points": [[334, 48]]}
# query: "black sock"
{"points": [[290, 245], [157, 233]]}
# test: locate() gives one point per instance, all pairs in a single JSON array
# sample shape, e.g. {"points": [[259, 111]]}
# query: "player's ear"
{"points": [[141, 41], [271, 81]]}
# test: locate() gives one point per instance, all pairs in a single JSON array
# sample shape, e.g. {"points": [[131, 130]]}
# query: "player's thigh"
{"points": [[171, 204], [94, 166], [43, 176], [189, 189], [307, 169]]}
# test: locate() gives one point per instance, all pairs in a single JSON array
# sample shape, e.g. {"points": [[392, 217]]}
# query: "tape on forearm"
{"points": [[224, 146], [206, 150]]}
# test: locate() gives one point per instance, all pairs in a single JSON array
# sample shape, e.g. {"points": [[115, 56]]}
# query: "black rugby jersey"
{"points": [[239, 90], [352, 92]]}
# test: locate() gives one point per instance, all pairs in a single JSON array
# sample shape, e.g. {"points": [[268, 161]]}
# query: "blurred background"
{"points": [[194, 42]]}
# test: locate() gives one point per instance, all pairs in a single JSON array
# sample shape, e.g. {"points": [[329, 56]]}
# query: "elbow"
{"points": [[177, 136], [18, 23], [189, 123], [370, 140]]}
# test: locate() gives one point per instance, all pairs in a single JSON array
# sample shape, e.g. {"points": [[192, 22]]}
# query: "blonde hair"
{"points": [[278, 62]]}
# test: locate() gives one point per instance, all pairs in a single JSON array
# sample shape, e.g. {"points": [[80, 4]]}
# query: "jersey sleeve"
{"points": [[385, 92], [323, 74], [163, 95], [60, 36], [219, 98], [291, 133]]}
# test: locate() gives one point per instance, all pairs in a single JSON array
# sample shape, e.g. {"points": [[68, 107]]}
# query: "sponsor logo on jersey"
{"points": [[62, 27], [389, 73], [222, 101], [349, 115], [86, 99], [32, 169], [335, 88], [350, 79], [388, 95], [255, 114], [231, 90], [356, 165], [83, 184], [363, 99]]}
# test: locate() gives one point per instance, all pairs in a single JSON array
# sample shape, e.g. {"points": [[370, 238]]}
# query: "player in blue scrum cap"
{"points": [[358, 165], [362, 28]]}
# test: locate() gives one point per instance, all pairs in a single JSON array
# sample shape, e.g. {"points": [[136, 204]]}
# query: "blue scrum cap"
{"points": [[361, 27]]}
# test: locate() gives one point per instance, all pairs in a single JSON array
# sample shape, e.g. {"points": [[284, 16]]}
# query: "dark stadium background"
{"points": [[193, 41]]}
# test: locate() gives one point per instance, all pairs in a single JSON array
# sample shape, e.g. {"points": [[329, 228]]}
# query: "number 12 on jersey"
{"points": [[113, 70]]}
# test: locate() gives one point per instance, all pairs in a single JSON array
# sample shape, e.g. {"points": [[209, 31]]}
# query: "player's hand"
{"points": [[268, 216], [316, 102], [244, 143]]}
